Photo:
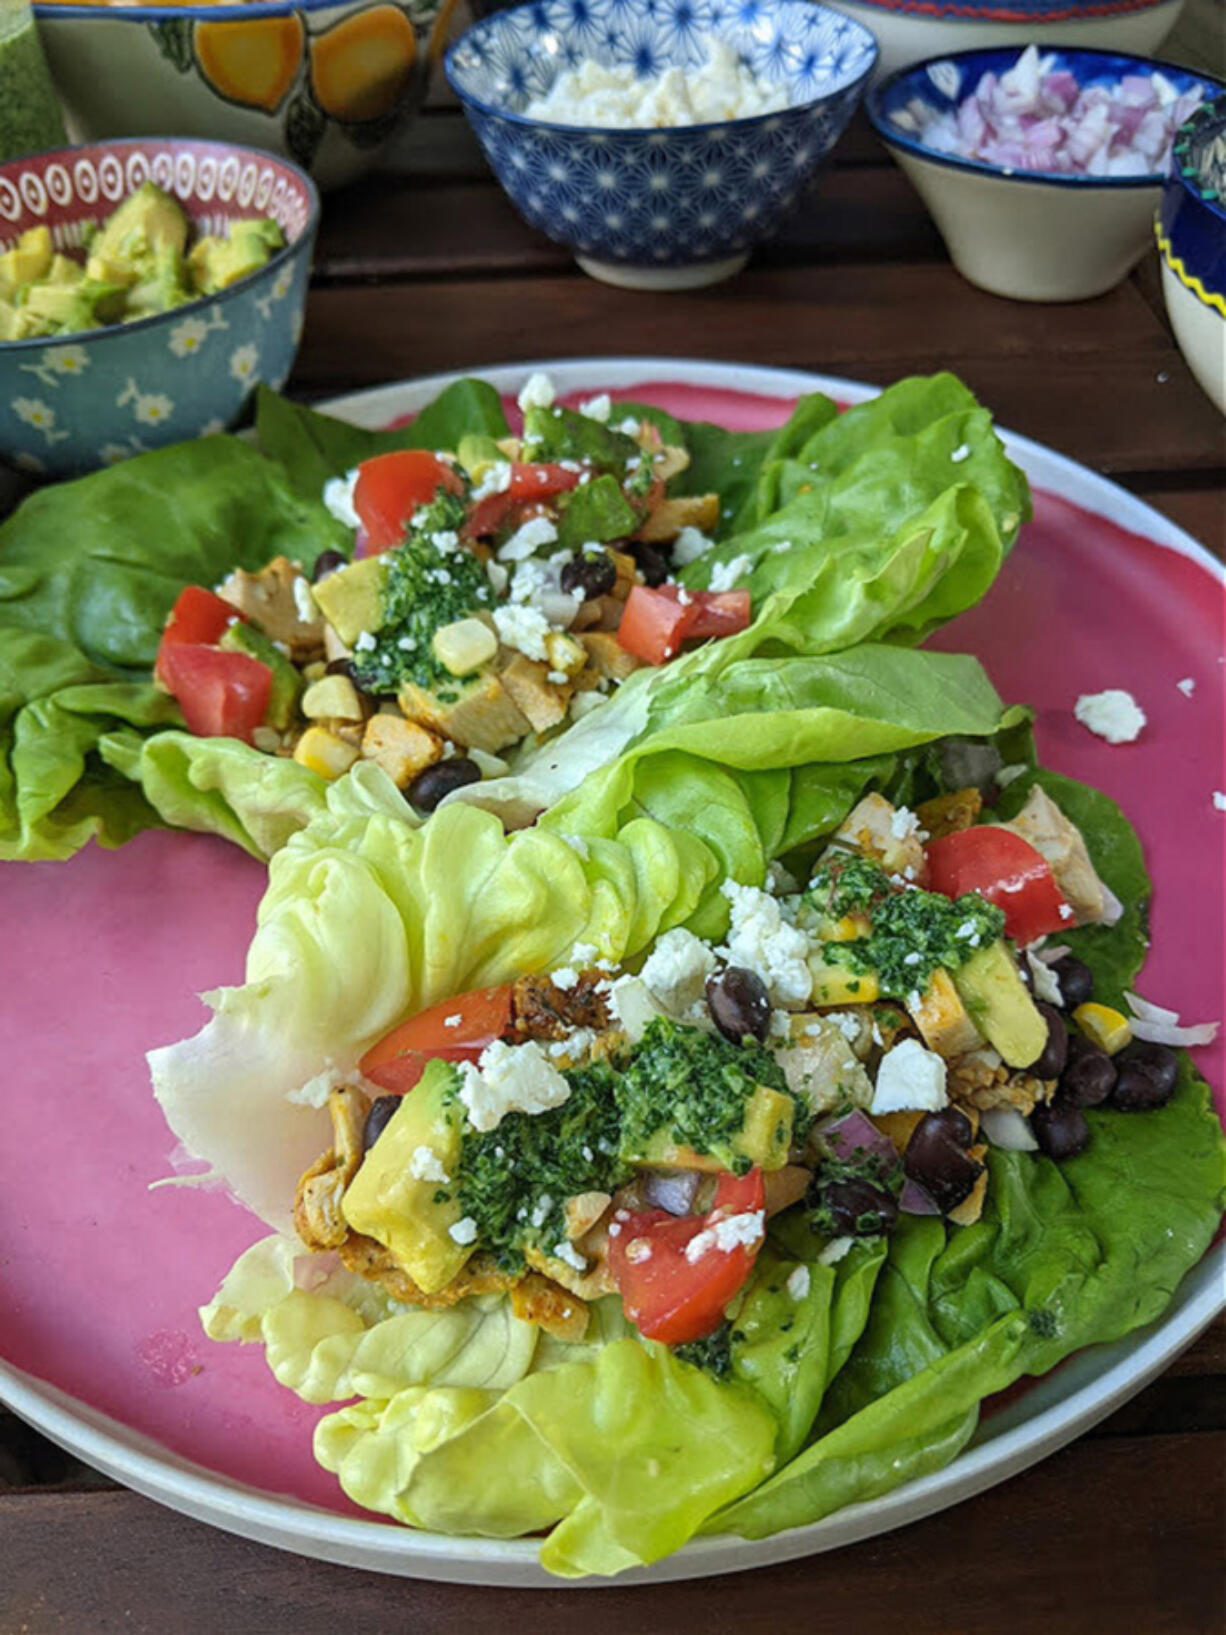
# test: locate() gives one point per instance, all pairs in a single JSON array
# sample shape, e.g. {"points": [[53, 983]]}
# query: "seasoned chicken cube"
{"points": [[269, 601], [542, 701], [947, 814], [402, 748], [541, 1301], [607, 656], [882, 831], [699, 511], [943, 1020]]}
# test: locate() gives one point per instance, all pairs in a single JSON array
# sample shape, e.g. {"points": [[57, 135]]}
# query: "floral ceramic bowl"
{"points": [[1032, 235], [1191, 231], [660, 208], [324, 82], [70, 403], [909, 31]]}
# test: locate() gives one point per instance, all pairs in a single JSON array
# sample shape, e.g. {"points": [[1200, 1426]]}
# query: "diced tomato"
{"points": [[666, 1294], [1005, 869], [400, 1058], [487, 516], [198, 617], [391, 487], [222, 695], [720, 612], [540, 481], [656, 622]]}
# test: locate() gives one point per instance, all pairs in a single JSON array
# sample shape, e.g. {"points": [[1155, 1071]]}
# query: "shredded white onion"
{"points": [[1006, 1128], [1159, 1026], [1036, 117]]}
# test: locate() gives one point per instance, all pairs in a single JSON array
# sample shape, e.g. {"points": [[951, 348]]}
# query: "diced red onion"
{"points": [[1006, 1128], [913, 1200], [1036, 118], [674, 1192], [856, 1132], [1159, 1026]]}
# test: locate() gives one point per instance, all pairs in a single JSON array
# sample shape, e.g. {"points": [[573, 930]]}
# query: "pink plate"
{"points": [[100, 1277]]}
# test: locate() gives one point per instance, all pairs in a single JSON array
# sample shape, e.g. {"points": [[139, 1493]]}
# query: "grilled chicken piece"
{"points": [[587, 1285], [947, 814], [541, 1010], [541, 1301], [699, 511], [542, 701], [267, 600], [1045, 826], [606, 654], [369, 1259], [317, 1204], [869, 827], [479, 713], [943, 1019]]}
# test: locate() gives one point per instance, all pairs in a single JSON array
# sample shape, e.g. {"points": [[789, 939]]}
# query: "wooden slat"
{"points": [[1202, 511], [1026, 1556], [1056, 373]]}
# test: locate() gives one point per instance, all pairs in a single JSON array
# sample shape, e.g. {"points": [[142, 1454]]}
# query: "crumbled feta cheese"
{"points": [[732, 1232], [962, 452], [835, 1251], [540, 1210], [496, 479], [573, 1047], [509, 1079], [779, 882], [522, 628], [426, 1165], [1045, 982], [364, 642], [904, 824], [565, 977], [597, 408], [464, 1231], [1187, 686], [452, 1021], [1114, 715], [689, 545], [537, 392], [1066, 911], [445, 540], [761, 940], [338, 499], [304, 602], [724, 575], [497, 576], [677, 969], [583, 953], [527, 538], [797, 1284], [1219, 800], [557, 678], [910, 1079], [407, 644], [629, 427], [315, 1092], [567, 1252]]}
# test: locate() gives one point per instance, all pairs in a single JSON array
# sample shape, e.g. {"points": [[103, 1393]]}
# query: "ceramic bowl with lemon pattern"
{"points": [[326, 83], [71, 402]]}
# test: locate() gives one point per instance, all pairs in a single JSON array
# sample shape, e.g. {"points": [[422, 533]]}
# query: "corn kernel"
{"points": [[323, 752], [1107, 1028]]}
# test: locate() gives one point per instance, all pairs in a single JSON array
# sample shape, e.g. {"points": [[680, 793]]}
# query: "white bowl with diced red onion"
{"points": [[1041, 168]]}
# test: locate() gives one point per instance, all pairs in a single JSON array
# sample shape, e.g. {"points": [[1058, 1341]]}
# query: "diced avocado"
{"points": [[412, 1218], [997, 1002], [840, 985], [147, 223], [351, 599], [764, 1138], [595, 511], [161, 288], [286, 681], [10, 321], [29, 259], [64, 270], [478, 453], [477, 712], [561, 434], [215, 263], [71, 307]]}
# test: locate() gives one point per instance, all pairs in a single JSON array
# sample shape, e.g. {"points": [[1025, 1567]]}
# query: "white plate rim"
{"points": [[1056, 1409]]}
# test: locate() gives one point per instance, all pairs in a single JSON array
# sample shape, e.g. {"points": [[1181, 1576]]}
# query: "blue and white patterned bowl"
{"points": [[70, 403], [1191, 232], [668, 208]]}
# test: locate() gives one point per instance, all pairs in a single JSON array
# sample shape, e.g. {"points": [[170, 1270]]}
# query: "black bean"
{"points": [[340, 667], [1049, 1063], [381, 1110], [936, 1158], [429, 787], [1076, 981], [1060, 1129], [328, 562], [1089, 1073], [650, 561], [1145, 1077], [594, 573], [739, 1004], [858, 1209]]}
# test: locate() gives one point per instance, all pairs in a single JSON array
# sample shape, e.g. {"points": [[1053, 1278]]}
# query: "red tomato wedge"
{"points": [[391, 487], [487, 516], [656, 622], [400, 1058], [540, 481], [222, 695], [198, 618], [668, 1295], [1005, 869]]}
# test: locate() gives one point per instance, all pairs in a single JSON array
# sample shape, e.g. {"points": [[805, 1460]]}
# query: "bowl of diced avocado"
{"points": [[146, 288]]}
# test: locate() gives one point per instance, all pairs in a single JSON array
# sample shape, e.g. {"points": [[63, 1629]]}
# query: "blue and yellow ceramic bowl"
{"points": [[669, 208], [73, 402], [1191, 231]]}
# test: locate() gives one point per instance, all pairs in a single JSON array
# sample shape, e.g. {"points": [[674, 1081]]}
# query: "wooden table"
{"points": [[426, 267]]}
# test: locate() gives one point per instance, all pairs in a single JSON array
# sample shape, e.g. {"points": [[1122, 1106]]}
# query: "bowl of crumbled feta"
{"points": [[1042, 169], [660, 149], [1191, 232]]}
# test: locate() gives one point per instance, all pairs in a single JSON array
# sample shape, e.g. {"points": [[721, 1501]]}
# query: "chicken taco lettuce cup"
{"points": [[458, 611], [700, 1158]]}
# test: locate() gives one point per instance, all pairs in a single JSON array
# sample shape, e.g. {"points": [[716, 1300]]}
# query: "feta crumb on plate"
{"points": [[1113, 714], [1187, 686]]}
